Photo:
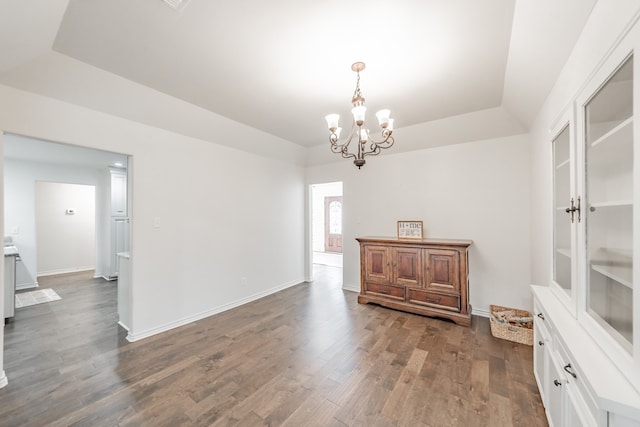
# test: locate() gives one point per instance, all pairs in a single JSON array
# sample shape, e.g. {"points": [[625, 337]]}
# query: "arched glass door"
{"points": [[333, 224]]}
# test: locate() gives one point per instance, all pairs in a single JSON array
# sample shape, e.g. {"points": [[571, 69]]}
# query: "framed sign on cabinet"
{"points": [[410, 230]]}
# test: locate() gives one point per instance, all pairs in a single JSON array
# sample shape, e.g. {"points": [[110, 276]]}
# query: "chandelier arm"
{"points": [[387, 138], [343, 149], [376, 147], [374, 151]]}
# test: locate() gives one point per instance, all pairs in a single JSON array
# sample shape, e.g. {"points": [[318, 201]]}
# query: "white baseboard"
{"points": [[132, 337], [351, 288], [65, 270], [480, 312], [3, 379], [126, 328], [22, 286]]}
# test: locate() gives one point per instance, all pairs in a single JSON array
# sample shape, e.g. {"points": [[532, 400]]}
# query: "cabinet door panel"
{"points": [[556, 395], [376, 268], [118, 193], [442, 272], [577, 414], [608, 148], [541, 359], [563, 225], [406, 266]]}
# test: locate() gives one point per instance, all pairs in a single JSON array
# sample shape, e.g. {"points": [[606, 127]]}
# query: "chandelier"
{"points": [[367, 146]]}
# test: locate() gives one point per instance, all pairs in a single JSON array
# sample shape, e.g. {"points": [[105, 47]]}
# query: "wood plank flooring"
{"points": [[306, 356]]}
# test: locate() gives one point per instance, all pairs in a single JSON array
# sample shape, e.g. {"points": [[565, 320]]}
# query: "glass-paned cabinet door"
{"points": [[609, 180], [562, 256]]}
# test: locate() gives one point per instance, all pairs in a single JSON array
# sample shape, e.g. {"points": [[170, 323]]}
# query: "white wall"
{"points": [[478, 191], [606, 23], [65, 241], [19, 195], [231, 222]]}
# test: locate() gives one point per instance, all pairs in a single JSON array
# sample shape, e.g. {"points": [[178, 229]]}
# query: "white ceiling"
{"points": [[281, 66], [19, 147]]}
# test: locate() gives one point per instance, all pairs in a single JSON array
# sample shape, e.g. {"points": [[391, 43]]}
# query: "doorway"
{"points": [[65, 228], [36, 172], [333, 224], [326, 224]]}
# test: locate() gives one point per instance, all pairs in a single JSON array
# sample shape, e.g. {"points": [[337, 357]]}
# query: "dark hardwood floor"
{"points": [[306, 356]]}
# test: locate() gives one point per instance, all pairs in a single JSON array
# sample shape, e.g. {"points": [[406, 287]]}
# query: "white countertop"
{"points": [[11, 251]]}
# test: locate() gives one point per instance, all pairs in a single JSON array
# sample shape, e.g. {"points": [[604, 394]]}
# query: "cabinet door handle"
{"points": [[557, 383], [540, 315], [569, 370], [574, 209], [540, 342]]}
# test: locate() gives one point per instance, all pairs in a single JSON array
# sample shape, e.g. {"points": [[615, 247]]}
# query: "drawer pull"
{"points": [[434, 300], [540, 342], [569, 370], [557, 383], [383, 291], [540, 315]]}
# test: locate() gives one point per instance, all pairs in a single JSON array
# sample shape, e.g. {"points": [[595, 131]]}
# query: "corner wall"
{"points": [[19, 193], [478, 191], [231, 222]]}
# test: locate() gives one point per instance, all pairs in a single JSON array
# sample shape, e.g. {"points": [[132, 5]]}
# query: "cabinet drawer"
{"points": [[386, 290], [541, 319], [432, 299]]}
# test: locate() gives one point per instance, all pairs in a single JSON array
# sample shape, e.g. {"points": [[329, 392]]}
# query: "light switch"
{"points": [[156, 222]]}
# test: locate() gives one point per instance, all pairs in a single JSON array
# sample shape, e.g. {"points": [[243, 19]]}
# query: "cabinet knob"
{"points": [[540, 315], [540, 342], [557, 383]]}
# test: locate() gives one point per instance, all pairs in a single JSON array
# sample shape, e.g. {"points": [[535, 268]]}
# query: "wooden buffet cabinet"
{"points": [[425, 276]]}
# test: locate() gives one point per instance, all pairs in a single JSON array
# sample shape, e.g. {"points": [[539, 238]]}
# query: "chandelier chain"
{"points": [[357, 93]]}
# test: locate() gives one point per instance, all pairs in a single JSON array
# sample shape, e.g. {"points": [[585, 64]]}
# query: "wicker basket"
{"points": [[508, 331]]}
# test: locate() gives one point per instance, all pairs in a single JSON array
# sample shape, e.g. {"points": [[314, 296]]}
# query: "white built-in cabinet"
{"points": [[124, 291], [118, 192], [119, 243], [119, 221], [587, 321]]}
